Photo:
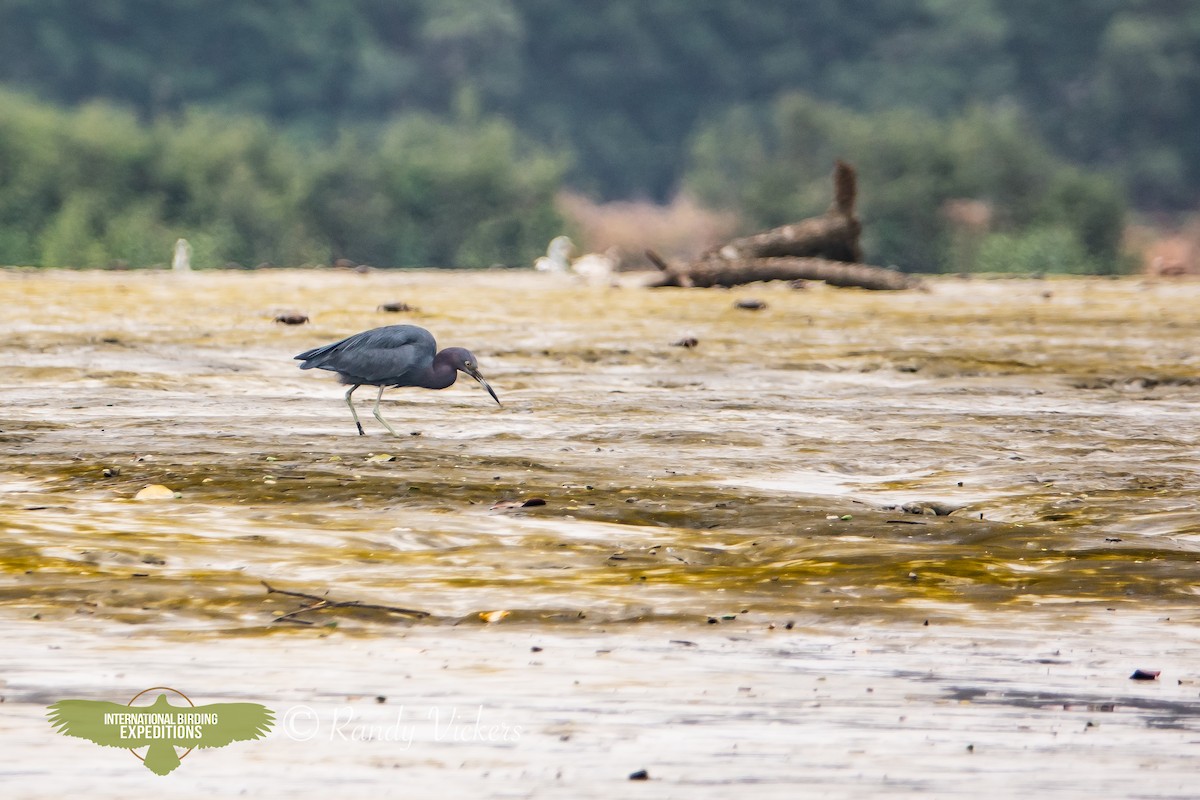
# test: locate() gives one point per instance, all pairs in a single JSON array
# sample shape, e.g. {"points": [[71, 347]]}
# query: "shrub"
{"points": [[93, 186], [1038, 250]]}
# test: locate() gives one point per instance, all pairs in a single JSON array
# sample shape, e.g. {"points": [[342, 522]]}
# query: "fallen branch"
{"points": [[723, 272], [318, 603], [833, 235], [824, 248]]}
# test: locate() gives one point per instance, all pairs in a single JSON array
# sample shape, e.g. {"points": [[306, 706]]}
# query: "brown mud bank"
{"points": [[770, 470], [987, 455]]}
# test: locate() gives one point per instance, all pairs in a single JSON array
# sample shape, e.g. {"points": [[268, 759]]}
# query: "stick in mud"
{"points": [[319, 603]]}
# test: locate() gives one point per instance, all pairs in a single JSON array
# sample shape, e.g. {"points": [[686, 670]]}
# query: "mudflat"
{"points": [[866, 544]]}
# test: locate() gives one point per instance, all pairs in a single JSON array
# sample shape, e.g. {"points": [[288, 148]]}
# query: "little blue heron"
{"points": [[395, 355]]}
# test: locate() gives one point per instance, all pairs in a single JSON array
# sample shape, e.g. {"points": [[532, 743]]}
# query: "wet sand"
{"points": [[697, 501]]}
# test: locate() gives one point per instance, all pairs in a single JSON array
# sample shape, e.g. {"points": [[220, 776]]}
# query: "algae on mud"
{"points": [[722, 586], [1060, 415]]}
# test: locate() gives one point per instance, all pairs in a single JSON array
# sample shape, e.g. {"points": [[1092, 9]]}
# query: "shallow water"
{"points": [[768, 475]]}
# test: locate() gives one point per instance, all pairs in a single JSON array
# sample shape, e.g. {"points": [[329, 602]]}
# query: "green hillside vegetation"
{"points": [[1039, 214], [94, 186], [437, 131]]}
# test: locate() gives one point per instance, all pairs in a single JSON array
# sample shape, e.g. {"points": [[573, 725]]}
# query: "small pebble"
{"points": [[750, 305], [155, 491], [640, 775], [292, 319], [502, 505]]}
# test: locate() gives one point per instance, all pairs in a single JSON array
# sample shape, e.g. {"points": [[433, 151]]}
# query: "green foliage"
{"points": [[93, 187], [1034, 251], [622, 83], [422, 192], [1147, 97], [912, 169], [637, 93]]}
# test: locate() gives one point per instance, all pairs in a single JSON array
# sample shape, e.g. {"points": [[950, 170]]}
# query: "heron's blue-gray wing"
{"points": [[236, 722], [380, 356]]}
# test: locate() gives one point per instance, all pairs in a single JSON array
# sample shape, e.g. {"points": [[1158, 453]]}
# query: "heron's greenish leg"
{"points": [[349, 392], [379, 416]]}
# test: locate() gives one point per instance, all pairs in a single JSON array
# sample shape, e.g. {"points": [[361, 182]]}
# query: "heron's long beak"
{"points": [[474, 373]]}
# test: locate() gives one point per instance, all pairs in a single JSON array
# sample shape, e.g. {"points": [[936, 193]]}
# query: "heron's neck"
{"points": [[440, 374]]}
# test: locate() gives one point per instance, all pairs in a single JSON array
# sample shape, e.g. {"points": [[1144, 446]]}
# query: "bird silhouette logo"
{"points": [[160, 727]]}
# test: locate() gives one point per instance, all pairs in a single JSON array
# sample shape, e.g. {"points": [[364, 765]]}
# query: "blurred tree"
{"points": [[472, 47], [1035, 251], [1148, 99], [93, 186], [427, 193], [625, 85], [912, 170]]}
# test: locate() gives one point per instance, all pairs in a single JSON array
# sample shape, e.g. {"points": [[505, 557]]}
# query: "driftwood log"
{"points": [[833, 235], [824, 248], [733, 272]]}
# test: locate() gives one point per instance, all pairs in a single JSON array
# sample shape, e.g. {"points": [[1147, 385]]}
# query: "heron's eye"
{"points": [[469, 364]]}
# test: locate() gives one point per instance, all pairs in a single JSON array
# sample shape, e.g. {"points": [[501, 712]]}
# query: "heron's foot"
{"points": [[385, 424], [361, 432]]}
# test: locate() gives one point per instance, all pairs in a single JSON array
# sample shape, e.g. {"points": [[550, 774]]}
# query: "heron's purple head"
{"points": [[464, 361]]}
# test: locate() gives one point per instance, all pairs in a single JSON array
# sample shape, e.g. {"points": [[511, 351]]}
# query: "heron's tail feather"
{"points": [[316, 357]]}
